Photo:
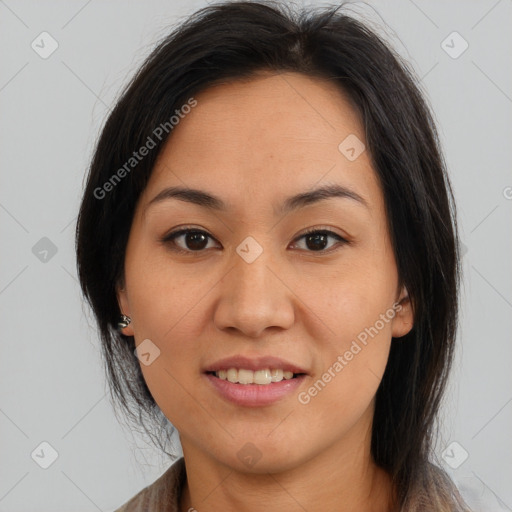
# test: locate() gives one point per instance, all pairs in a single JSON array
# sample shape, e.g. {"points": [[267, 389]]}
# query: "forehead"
{"points": [[260, 136], [294, 105]]}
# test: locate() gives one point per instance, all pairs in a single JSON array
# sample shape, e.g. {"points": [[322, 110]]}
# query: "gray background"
{"points": [[52, 383]]}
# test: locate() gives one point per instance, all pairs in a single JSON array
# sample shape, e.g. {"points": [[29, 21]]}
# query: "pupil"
{"points": [[196, 239], [315, 237]]}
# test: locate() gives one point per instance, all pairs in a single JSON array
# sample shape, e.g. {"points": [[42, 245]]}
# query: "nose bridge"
{"points": [[251, 275]]}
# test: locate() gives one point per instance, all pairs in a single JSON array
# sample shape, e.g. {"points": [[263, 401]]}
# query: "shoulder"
{"points": [[162, 495]]}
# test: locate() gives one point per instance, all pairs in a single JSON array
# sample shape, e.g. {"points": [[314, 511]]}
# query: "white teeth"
{"points": [[262, 377], [243, 376], [232, 375], [277, 375]]}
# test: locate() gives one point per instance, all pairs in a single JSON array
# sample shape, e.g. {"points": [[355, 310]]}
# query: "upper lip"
{"points": [[254, 364]]}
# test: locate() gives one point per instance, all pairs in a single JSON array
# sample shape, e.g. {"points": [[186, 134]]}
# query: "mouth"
{"points": [[254, 382], [263, 377]]}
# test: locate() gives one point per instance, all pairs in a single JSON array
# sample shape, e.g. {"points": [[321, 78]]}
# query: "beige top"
{"points": [[163, 495], [434, 492]]}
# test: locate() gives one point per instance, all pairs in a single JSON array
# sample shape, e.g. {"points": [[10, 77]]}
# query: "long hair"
{"points": [[232, 41]]}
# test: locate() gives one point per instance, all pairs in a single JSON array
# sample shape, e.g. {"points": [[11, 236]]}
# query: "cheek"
{"points": [[173, 377], [345, 385], [167, 310], [353, 357], [165, 298]]}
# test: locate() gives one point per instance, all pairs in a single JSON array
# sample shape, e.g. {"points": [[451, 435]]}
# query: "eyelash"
{"points": [[169, 239]]}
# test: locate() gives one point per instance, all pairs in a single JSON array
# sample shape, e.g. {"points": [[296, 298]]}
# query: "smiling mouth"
{"points": [[259, 377]]}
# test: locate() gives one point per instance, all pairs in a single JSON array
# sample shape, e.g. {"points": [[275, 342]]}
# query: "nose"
{"points": [[254, 297]]}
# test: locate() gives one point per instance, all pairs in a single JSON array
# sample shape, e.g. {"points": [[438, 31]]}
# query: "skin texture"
{"points": [[254, 144]]}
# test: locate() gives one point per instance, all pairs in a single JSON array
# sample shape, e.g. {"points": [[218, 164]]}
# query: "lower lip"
{"points": [[254, 395]]}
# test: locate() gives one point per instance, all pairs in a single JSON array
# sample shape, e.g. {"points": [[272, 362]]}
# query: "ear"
{"points": [[404, 317], [124, 308]]}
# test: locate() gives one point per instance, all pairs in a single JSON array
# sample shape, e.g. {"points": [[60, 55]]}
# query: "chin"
{"points": [[254, 457], [264, 465]]}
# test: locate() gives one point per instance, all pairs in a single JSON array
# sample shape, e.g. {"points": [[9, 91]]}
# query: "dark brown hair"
{"points": [[234, 40]]}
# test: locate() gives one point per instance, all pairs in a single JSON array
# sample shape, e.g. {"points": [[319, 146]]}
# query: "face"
{"points": [[244, 290]]}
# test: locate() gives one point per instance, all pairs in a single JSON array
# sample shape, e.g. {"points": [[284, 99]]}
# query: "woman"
{"points": [[268, 241]]}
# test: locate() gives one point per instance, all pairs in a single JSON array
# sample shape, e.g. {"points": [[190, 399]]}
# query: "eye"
{"points": [[195, 240], [317, 238]]}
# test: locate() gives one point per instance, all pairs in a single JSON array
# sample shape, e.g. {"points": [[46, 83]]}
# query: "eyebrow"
{"points": [[293, 203]]}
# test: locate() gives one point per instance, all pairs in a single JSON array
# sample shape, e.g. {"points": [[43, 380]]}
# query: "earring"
{"points": [[124, 321]]}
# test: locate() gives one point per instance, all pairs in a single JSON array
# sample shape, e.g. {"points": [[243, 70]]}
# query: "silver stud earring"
{"points": [[124, 321]]}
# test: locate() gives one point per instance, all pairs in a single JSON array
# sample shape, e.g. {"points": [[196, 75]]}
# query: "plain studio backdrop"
{"points": [[54, 97]]}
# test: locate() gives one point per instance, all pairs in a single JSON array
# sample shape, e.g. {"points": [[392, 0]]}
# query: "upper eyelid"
{"points": [[183, 230]]}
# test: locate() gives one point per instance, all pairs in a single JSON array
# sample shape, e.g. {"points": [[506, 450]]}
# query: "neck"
{"points": [[343, 478]]}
